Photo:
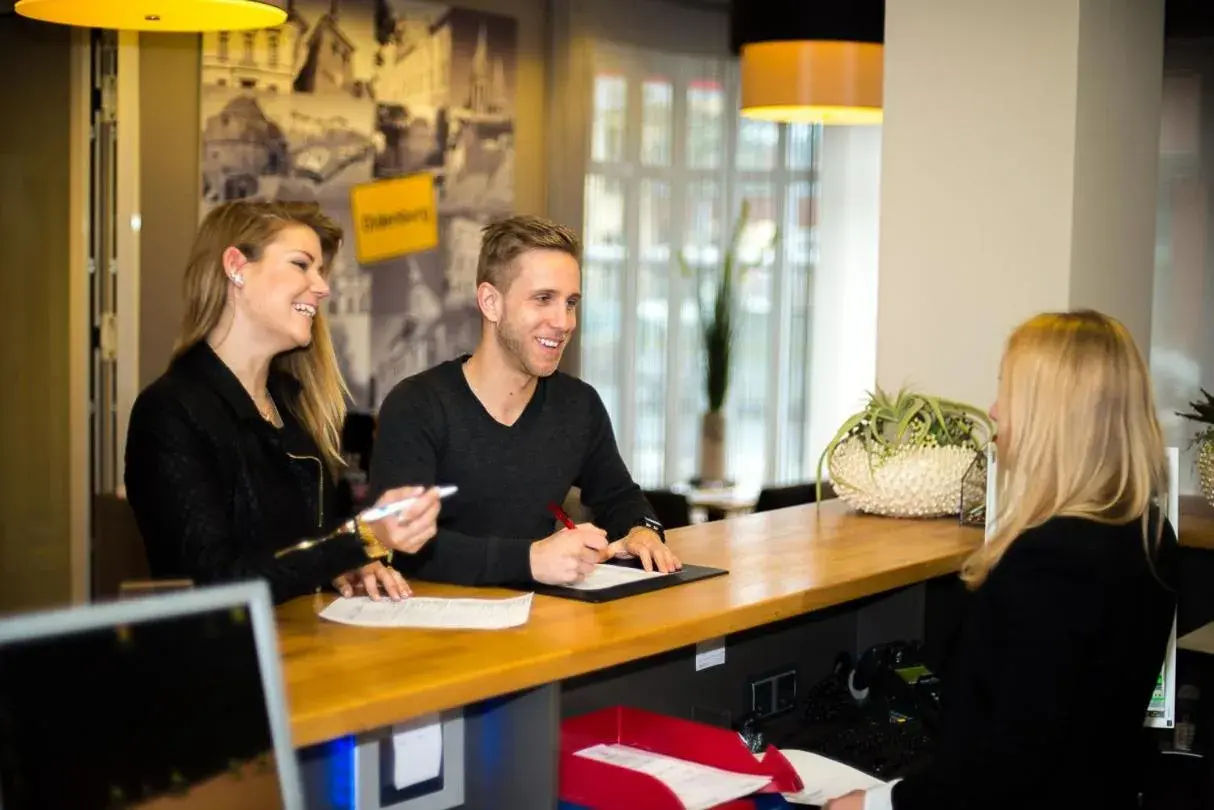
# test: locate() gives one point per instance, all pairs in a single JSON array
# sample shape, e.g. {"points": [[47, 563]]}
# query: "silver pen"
{"points": [[366, 516]]}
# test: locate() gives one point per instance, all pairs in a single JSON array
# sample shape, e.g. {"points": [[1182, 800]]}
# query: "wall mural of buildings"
{"points": [[348, 92]]}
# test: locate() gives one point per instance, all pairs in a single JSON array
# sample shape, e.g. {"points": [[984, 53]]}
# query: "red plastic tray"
{"points": [[601, 786]]}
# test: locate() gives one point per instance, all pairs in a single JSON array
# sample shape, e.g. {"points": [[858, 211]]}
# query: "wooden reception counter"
{"points": [[343, 680]]}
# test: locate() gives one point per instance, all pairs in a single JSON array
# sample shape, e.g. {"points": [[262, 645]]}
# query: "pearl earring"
{"points": [[238, 279]]}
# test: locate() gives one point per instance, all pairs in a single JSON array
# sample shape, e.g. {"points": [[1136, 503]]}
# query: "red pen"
{"points": [[561, 516]]}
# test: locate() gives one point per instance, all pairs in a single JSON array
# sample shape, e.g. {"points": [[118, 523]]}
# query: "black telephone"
{"points": [[876, 713], [895, 674]]}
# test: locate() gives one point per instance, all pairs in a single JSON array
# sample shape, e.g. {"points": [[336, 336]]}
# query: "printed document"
{"points": [[824, 778], [431, 613], [697, 786], [608, 576]]}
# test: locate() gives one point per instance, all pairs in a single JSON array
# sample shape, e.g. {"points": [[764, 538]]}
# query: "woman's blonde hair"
{"points": [[250, 226], [1083, 436]]}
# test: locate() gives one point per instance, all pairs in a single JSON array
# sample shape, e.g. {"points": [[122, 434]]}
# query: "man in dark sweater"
{"points": [[514, 434]]}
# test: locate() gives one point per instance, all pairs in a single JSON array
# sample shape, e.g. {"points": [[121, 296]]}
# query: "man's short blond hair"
{"points": [[504, 241]]}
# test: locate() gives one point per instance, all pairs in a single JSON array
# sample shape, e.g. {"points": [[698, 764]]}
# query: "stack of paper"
{"points": [[697, 786], [608, 576], [431, 613], [824, 778]]}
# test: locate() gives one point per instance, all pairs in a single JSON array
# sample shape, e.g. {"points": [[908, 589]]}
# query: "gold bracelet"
{"points": [[374, 549]]}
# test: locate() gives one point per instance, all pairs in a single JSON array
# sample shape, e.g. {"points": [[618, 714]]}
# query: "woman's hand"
{"points": [[410, 530], [368, 580], [848, 801]]}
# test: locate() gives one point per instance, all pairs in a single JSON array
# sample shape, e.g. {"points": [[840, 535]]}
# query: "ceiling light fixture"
{"points": [[810, 62], [176, 16]]}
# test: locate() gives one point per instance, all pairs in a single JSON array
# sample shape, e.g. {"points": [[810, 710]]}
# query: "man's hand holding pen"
{"points": [[568, 556]]}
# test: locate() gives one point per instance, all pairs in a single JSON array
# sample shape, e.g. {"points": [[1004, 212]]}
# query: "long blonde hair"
{"points": [[1083, 436], [250, 226]]}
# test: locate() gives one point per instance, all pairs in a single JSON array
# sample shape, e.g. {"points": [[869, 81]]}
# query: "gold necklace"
{"points": [[270, 414]]}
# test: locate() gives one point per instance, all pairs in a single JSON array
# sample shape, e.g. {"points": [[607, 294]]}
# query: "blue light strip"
{"points": [[342, 782]]}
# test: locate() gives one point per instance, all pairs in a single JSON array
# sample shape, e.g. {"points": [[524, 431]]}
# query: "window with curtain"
{"points": [[1182, 329], [670, 162]]}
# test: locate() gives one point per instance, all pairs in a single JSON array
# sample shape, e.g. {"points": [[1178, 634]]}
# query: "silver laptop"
{"points": [[167, 701], [1161, 711]]}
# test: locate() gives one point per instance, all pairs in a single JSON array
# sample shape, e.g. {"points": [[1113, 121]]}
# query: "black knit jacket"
{"points": [[216, 489]]}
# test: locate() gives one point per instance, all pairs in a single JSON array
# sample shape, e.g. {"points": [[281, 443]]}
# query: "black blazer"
{"points": [[1047, 687], [216, 489]]}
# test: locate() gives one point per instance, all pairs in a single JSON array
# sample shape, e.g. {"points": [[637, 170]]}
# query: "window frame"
{"points": [[782, 461]]}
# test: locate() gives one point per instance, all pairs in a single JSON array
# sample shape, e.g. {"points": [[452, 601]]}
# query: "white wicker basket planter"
{"points": [[910, 482]]}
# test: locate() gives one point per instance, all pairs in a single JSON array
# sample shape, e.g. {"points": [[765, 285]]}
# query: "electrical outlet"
{"points": [[763, 697], [774, 693], [786, 691]]}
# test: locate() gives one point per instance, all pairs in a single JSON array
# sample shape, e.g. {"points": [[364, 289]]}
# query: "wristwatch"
{"points": [[374, 549], [653, 525]]}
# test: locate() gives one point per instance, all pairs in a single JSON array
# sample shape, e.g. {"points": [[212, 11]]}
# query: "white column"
{"points": [[1020, 157]]}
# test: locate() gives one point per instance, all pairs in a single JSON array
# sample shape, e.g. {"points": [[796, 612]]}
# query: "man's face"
{"points": [[539, 310]]}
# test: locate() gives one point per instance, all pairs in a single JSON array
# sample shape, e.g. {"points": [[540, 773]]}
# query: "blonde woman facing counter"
{"points": [[231, 454], [1048, 683]]}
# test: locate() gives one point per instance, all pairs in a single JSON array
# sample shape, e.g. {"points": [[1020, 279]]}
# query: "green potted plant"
{"points": [[717, 309], [1203, 414], [906, 454]]}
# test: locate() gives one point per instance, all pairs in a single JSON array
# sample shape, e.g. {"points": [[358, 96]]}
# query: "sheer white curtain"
{"points": [[651, 158]]}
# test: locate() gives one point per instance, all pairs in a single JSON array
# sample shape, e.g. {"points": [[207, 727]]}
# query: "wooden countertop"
{"points": [[342, 680]]}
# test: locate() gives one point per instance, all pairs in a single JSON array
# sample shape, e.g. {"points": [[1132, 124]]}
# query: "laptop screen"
{"points": [[140, 708]]}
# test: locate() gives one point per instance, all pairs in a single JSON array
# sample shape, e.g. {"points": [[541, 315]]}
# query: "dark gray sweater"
{"points": [[433, 430]]}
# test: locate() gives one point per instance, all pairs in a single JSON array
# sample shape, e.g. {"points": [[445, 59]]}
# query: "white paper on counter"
{"points": [[417, 751], [824, 778], [431, 613], [698, 787], [608, 576]]}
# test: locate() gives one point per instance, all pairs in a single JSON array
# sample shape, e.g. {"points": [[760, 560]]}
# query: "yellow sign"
{"points": [[394, 217]]}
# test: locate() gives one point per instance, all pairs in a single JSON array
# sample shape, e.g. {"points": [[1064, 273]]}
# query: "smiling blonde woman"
{"points": [[231, 453]]}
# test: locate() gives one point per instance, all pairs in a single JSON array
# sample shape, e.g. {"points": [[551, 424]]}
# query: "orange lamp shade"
{"points": [[813, 81], [158, 15]]}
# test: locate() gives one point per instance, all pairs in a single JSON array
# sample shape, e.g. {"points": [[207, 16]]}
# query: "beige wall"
{"points": [[38, 464], [1116, 172], [1003, 191], [169, 183], [169, 135]]}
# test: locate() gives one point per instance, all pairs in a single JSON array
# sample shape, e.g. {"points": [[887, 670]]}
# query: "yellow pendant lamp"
{"points": [[158, 15], [810, 62]]}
